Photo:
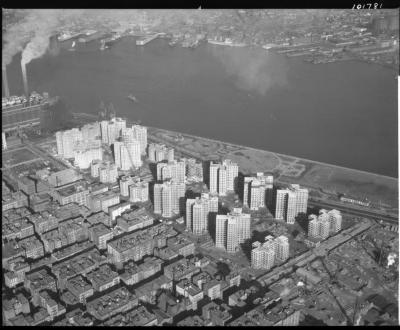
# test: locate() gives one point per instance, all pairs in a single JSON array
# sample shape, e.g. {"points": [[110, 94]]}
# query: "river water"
{"points": [[340, 113]]}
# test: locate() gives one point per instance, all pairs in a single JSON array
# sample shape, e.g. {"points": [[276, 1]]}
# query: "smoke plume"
{"points": [[24, 79], [29, 30], [5, 82], [31, 33], [253, 70]]}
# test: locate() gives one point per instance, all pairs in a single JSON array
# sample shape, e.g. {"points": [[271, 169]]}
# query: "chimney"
{"points": [[5, 82], [24, 78]]}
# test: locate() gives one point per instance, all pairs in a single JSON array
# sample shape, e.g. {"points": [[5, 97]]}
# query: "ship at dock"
{"points": [[67, 36], [144, 40], [111, 40], [91, 36], [226, 42]]}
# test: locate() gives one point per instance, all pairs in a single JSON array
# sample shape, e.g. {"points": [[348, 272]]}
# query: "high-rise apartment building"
{"points": [[91, 131], [167, 198], [290, 202], [175, 170], [159, 152], [194, 170], [223, 177], [104, 131], [85, 151], [318, 227], [140, 134], [127, 154], [124, 182], [108, 172], [281, 248], [335, 219], [3, 141], [232, 230], [258, 191], [133, 145], [197, 213], [66, 141], [94, 168], [111, 130], [139, 191], [265, 255]]}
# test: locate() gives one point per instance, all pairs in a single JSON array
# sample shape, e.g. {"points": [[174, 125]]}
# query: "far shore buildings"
{"points": [[290, 202], [232, 230], [223, 177]]}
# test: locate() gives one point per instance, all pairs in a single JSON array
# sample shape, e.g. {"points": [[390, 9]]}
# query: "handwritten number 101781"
{"points": [[367, 6]]}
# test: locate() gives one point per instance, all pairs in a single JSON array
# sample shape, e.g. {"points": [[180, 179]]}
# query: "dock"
{"points": [[146, 40]]}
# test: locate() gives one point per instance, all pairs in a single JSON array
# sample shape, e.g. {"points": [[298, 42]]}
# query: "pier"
{"points": [[146, 40]]}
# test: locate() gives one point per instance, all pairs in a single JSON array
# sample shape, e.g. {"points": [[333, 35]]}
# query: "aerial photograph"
{"points": [[200, 167]]}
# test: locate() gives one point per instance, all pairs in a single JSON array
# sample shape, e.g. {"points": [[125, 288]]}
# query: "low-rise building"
{"points": [[73, 193], [135, 219], [137, 317], [18, 267], [70, 250], [19, 228], [14, 200], [194, 321], [103, 278], [181, 245], [279, 315], [136, 245], [181, 269], [116, 210], [32, 246], [77, 317], [217, 314], [38, 281], [187, 289], [68, 232], [100, 234], [134, 273], [117, 301], [82, 264], [52, 307], [100, 217], [101, 202], [147, 292], [15, 306], [80, 288]]}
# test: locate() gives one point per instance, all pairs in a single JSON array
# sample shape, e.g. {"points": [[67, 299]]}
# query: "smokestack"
{"points": [[24, 78], [5, 82]]}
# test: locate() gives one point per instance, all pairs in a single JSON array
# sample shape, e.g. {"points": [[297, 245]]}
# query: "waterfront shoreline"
{"points": [[94, 117]]}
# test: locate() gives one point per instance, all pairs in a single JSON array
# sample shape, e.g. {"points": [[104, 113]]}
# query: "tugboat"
{"points": [[133, 98], [103, 45], [72, 47]]}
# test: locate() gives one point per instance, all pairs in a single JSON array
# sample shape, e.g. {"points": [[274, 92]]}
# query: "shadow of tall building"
{"points": [[239, 185]]}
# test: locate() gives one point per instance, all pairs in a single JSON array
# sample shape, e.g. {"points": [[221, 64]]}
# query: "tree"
{"points": [[223, 269]]}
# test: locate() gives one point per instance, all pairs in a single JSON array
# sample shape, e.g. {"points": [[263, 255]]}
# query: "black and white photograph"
{"points": [[200, 166]]}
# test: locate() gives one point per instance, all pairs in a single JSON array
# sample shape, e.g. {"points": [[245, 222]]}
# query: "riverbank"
{"points": [[331, 179]]}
